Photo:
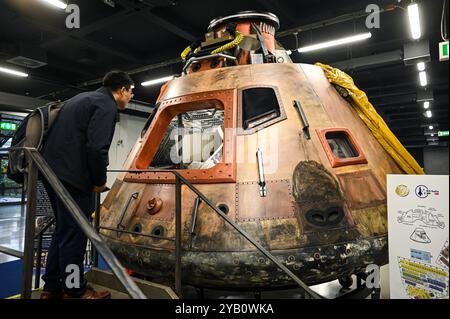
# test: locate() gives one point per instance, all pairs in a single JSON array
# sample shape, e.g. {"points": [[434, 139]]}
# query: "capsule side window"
{"points": [[341, 147], [260, 107]]}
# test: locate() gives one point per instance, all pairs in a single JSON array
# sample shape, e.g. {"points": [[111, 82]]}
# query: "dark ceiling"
{"points": [[147, 36]]}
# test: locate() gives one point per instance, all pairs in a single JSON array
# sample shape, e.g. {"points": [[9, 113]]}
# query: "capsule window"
{"points": [[259, 106], [193, 140], [341, 147]]}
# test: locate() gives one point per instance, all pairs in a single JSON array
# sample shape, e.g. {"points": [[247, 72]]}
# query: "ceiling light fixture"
{"points": [[334, 43], [421, 66], [13, 72], [56, 3], [431, 127], [414, 21], [423, 78], [157, 81], [426, 105], [429, 114]]}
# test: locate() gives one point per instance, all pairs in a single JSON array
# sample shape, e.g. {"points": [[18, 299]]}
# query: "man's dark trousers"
{"points": [[68, 244]]}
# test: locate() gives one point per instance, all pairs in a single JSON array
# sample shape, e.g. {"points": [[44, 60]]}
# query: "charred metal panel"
{"points": [[251, 269]]}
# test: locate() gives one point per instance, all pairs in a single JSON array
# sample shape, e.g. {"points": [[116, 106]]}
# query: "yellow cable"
{"points": [[373, 120], [238, 39], [185, 53]]}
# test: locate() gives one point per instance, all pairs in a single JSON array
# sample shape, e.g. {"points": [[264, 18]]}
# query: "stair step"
{"points": [[108, 281], [36, 294]]}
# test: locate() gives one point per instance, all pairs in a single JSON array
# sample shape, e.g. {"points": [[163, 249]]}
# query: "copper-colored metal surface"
{"points": [[278, 203], [323, 216]]}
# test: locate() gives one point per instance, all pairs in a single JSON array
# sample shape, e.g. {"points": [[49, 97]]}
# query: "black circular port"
{"points": [[137, 228], [196, 67], [223, 208], [316, 217], [329, 217], [334, 215], [214, 63], [158, 231]]}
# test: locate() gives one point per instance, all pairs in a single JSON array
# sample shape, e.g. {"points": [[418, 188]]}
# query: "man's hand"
{"points": [[99, 189]]}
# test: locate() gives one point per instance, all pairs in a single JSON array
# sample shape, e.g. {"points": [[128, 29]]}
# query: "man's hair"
{"points": [[116, 80]]}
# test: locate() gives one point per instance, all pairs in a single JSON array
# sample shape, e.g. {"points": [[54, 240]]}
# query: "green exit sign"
{"points": [[443, 51], [443, 133], [5, 126]]}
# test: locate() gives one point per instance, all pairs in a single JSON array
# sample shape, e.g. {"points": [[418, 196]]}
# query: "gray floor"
{"points": [[12, 225]]}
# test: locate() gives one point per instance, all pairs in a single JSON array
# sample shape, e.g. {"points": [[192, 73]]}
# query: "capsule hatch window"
{"points": [[193, 140], [341, 147]]}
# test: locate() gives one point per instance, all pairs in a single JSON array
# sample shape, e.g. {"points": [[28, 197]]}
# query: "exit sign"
{"points": [[443, 133], [443, 51], [5, 126]]}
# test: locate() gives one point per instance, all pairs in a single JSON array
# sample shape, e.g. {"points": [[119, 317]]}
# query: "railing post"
{"points": [[22, 200], [27, 262], [178, 236], [37, 273], [96, 226]]}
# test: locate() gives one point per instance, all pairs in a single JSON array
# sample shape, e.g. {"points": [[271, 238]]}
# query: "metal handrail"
{"points": [[37, 163], [206, 57], [265, 252]]}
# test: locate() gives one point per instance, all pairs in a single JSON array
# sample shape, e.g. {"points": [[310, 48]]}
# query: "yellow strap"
{"points": [[238, 39], [373, 120], [185, 53]]}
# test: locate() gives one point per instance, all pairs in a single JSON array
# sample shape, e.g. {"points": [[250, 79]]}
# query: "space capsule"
{"points": [[278, 149]]}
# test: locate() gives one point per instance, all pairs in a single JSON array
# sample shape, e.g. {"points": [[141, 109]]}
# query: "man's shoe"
{"points": [[90, 293], [51, 295]]}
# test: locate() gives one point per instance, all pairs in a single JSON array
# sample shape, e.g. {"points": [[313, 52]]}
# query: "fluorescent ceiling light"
{"points": [[431, 127], [423, 78], [421, 66], [334, 43], [13, 72], [426, 105], [57, 3], [432, 135], [414, 21], [157, 81], [429, 114]]}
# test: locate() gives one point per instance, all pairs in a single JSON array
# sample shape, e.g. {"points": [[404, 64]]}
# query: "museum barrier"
{"points": [[37, 165]]}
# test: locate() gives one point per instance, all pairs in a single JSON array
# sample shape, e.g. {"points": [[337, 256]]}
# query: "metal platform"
{"points": [[105, 280]]}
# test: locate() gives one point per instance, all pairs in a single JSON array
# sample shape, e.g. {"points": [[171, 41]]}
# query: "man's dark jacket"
{"points": [[77, 145]]}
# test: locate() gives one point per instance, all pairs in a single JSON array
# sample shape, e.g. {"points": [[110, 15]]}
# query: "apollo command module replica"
{"points": [[275, 146]]}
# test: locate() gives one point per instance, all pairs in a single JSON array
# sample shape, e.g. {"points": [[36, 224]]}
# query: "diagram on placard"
{"points": [[420, 236], [423, 281], [428, 216], [443, 256]]}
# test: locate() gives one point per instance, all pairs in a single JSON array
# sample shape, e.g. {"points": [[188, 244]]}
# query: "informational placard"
{"points": [[418, 222]]}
